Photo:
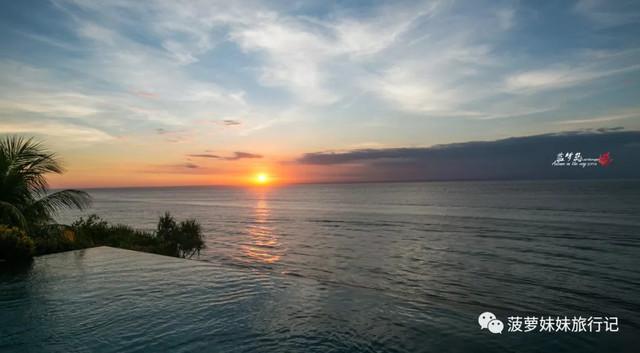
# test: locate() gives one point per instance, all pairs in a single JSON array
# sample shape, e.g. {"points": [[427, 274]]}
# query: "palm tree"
{"points": [[25, 200]]}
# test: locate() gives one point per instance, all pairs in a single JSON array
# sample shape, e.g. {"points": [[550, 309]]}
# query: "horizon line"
{"points": [[253, 186]]}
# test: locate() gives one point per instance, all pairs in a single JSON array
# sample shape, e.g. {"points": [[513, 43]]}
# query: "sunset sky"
{"points": [[165, 92]]}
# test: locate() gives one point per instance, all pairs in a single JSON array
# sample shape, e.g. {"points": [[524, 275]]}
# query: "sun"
{"points": [[261, 178]]}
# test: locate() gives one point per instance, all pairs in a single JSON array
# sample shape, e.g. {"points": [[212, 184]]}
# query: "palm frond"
{"points": [[24, 164], [54, 202], [27, 160], [13, 214]]}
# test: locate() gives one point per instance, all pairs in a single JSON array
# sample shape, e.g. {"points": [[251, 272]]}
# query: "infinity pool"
{"points": [[111, 300]]}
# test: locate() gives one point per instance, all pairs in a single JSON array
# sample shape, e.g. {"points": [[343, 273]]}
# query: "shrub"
{"points": [[180, 240], [190, 240], [55, 238], [92, 231], [167, 228], [15, 245]]}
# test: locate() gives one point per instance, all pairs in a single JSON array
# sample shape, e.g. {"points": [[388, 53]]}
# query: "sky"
{"points": [[166, 92]]}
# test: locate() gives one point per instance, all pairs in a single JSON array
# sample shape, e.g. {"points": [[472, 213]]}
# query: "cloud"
{"points": [[506, 18], [127, 68], [125, 82], [466, 73], [205, 155], [25, 89], [236, 156], [608, 13], [513, 158], [610, 129], [447, 70], [231, 122], [305, 55], [174, 136], [603, 118], [559, 78], [67, 131], [145, 94], [61, 104], [179, 168], [243, 155]]}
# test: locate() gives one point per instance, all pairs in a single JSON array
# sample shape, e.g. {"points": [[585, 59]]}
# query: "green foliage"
{"points": [[15, 245], [25, 200], [181, 240], [190, 240], [94, 231], [54, 238], [27, 205], [167, 228]]}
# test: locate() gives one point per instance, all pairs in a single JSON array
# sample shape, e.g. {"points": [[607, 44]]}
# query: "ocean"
{"points": [[432, 256]]}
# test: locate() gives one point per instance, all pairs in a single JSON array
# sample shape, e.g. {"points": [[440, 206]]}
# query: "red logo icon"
{"points": [[605, 159]]}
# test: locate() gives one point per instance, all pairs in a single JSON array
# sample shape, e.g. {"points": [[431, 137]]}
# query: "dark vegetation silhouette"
{"points": [[25, 199], [28, 208]]}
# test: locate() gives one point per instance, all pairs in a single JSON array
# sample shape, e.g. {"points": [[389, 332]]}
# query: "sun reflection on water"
{"points": [[263, 245]]}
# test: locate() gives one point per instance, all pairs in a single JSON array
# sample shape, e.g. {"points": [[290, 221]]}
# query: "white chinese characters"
{"points": [[576, 159], [550, 324], [562, 324]]}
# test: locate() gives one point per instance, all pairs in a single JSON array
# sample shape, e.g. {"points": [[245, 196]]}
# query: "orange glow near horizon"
{"points": [[83, 172]]}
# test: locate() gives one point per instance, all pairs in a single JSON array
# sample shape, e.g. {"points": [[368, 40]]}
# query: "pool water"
{"points": [[112, 300]]}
